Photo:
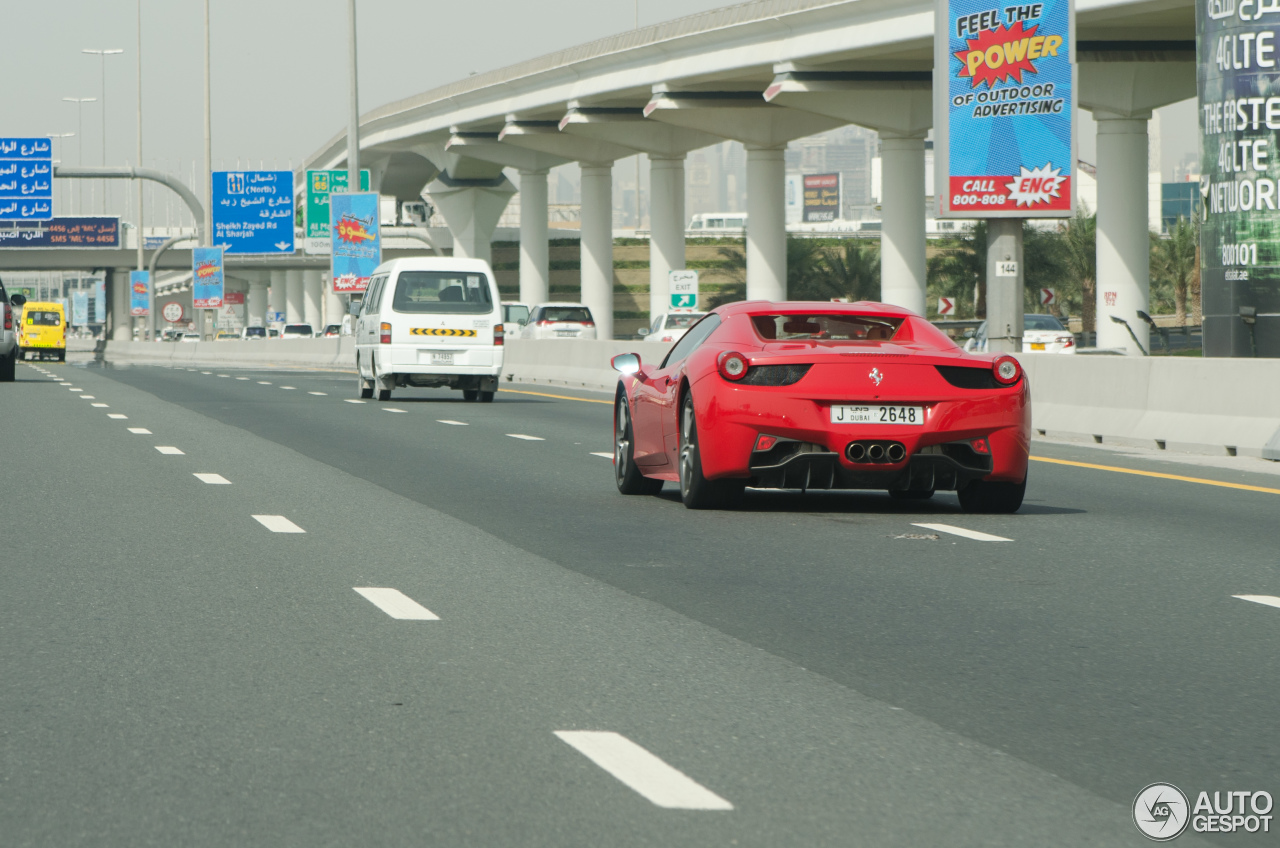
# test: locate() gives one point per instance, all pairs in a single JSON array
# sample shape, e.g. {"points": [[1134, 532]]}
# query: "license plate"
{"points": [[441, 357], [877, 415], [1037, 345], [566, 332]]}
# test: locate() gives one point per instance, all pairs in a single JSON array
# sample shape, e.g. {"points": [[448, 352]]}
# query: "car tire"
{"points": [[625, 472], [9, 368], [485, 397], [384, 394], [696, 491], [911, 494], [470, 395], [990, 497], [364, 388]]}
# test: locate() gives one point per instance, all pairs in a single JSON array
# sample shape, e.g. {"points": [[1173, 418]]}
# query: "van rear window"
{"points": [[44, 319], [454, 292]]}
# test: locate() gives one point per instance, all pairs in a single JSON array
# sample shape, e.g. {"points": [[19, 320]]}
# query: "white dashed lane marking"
{"points": [[350, 400], [278, 524], [169, 450], [263, 383], [960, 531], [391, 409], [642, 771], [1269, 600], [100, 405], [64, 384], [287, 388], [600, 453], [117, 416], [451, 423], [224, 375], [140, 431], [76, 390], [87, 397], [397, 604], [206, 372], [243, 378], [319, 394], [526, 438], [213, 479]]}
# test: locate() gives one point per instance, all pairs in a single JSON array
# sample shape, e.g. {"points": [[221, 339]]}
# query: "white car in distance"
{"points": [[1040, 333], [560, 321], [514, 318], [297, 331], [671, 326]]}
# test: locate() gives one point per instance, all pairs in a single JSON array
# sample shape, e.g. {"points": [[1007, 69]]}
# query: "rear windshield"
{"points": [[254, 331], [566, 313], [683, 320], [818, 327], [518, 314], [1041, 322], [44, 319], [451, 292], [298, 328]]}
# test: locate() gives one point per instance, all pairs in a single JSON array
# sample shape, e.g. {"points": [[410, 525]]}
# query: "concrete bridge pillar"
{"points": [[256, 306], [121, 320], [535, 253], [295, 311], [312, 294], [471, 209], [666, 227], [1124, 247], [766, 223], [902, 204], [597, 245], [276, 292]]}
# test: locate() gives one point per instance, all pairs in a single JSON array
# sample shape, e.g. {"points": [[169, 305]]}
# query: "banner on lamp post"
{"points": [[139, 287], [355, 240], [207, 277]]}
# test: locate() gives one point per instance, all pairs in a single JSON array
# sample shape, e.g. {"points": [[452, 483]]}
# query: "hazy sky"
{"points": [[279, 67]]}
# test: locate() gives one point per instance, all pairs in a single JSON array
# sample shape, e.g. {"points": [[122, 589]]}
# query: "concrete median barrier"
{"points": [[315, 353]]}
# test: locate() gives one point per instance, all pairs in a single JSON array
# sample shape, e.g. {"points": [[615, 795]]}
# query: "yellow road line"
{"points": [[1120, 470], [557, 397]]}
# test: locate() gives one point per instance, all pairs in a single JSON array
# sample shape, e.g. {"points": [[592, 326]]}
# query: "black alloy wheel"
{"points": [[993, 498], [697, 491], [625, 472], [485, 397]]}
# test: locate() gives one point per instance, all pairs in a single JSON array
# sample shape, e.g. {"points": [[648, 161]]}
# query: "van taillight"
{"points": [[8, 317], [385, 338], [498, 333], [587, 323]]}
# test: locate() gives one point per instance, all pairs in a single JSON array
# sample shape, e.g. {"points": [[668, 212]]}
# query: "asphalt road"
{"points": [[821, 669]]}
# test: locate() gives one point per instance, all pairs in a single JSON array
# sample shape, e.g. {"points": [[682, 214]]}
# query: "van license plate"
{"points": [[877, 415], [441, 357]]}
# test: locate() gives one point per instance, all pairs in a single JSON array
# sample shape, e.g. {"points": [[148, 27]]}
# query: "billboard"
{"points": [[253, 211], [1004, 101], [355, 240], [1239, 235], [821, 197], [206, 277], [320, 184], [139, 288]]}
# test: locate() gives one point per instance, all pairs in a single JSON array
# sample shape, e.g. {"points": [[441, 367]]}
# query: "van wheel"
{"points": [[364, 388], [470, 395], [384, 394], [486, 397]]}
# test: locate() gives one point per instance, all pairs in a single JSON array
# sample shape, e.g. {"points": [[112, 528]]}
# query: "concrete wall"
{"points": [[1218, 406]]}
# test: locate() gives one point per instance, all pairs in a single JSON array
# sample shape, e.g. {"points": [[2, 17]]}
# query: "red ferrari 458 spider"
{"points": [[822, 396]]}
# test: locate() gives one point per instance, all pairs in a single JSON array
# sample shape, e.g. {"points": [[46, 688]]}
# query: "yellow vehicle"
{"points": [[44, 331]]}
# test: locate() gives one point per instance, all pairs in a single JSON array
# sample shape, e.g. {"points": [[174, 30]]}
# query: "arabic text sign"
{"points": [[1004, 97], [253, 211], [207, 277], [320, 184], [62, 232], [682, 284], [26, 179], [355, 239], [821, 197], [139, 288]]}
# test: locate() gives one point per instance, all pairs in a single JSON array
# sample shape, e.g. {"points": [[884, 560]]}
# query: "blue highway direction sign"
{"points": [[253, 211], [26, 179]]}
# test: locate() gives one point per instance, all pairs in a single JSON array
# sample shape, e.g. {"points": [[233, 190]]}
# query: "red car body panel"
{"points": [[731, 416]]}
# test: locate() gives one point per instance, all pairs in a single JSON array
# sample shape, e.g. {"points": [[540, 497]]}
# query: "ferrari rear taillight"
{"points": [[981, 446], [1006, 370], [732, 365], [385, 336], [764, 443], [499, 333]]}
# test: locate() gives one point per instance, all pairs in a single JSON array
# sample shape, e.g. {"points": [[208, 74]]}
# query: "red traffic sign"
{"points": [[172, 312], [1048, 297], [946, 306]]}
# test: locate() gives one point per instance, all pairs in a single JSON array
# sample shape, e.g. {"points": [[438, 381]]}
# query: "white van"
{"points": [[429, 322]]}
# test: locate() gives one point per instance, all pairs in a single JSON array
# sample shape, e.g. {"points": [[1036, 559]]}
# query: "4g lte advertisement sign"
{"points": [[1004, 98]]}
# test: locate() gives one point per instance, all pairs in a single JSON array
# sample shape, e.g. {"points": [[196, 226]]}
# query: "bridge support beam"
{"points": [[471, 209], [294, 310], [597, 245], [666, 228], [256, 307], [766, 223], [535, 252], [121, 320], [312, 294], [902, 205], [277, 294]]}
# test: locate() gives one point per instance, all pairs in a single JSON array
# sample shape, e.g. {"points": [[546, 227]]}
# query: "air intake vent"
{"points": [[774, 375], [964, 377]]}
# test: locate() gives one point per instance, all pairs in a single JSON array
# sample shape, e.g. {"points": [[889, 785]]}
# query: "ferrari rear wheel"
{"points": [[625, 473], [697, 491], [990, 497]]}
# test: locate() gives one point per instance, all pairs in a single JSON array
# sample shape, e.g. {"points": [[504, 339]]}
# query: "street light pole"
{"points": [[104, 54], [353, 119], [80, 101]]}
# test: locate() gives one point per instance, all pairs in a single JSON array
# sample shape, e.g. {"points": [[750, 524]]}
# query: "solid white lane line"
{"points": [[391, 409], [397, 604], [100, 405], [642, 771], [213, 479], [319, 394], [278, 524], [141, 431], [350, 400], [1269, 600], [452, 423], [605, 455], [960, 531], [526, 438], [169, 450], [117, 416]]}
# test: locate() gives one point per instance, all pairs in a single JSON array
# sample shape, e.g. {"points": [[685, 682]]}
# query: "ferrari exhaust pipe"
{"points": [[875, 453], [856, 451], [896, 452]]}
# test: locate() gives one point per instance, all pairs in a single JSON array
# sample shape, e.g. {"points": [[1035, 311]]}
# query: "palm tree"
{"points": [[852, 270], [805, 270], [956, 270], [1173, 261], [1080, 262]]}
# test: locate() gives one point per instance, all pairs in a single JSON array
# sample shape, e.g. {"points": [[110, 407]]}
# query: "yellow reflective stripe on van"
{"points": [[428, 331]]}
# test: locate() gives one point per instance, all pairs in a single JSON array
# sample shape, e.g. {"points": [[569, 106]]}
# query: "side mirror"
{"points": [[626, 363], [18, 300]]}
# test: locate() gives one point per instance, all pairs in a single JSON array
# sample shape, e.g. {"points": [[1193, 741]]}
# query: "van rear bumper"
{"points": [[467, 361]]}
